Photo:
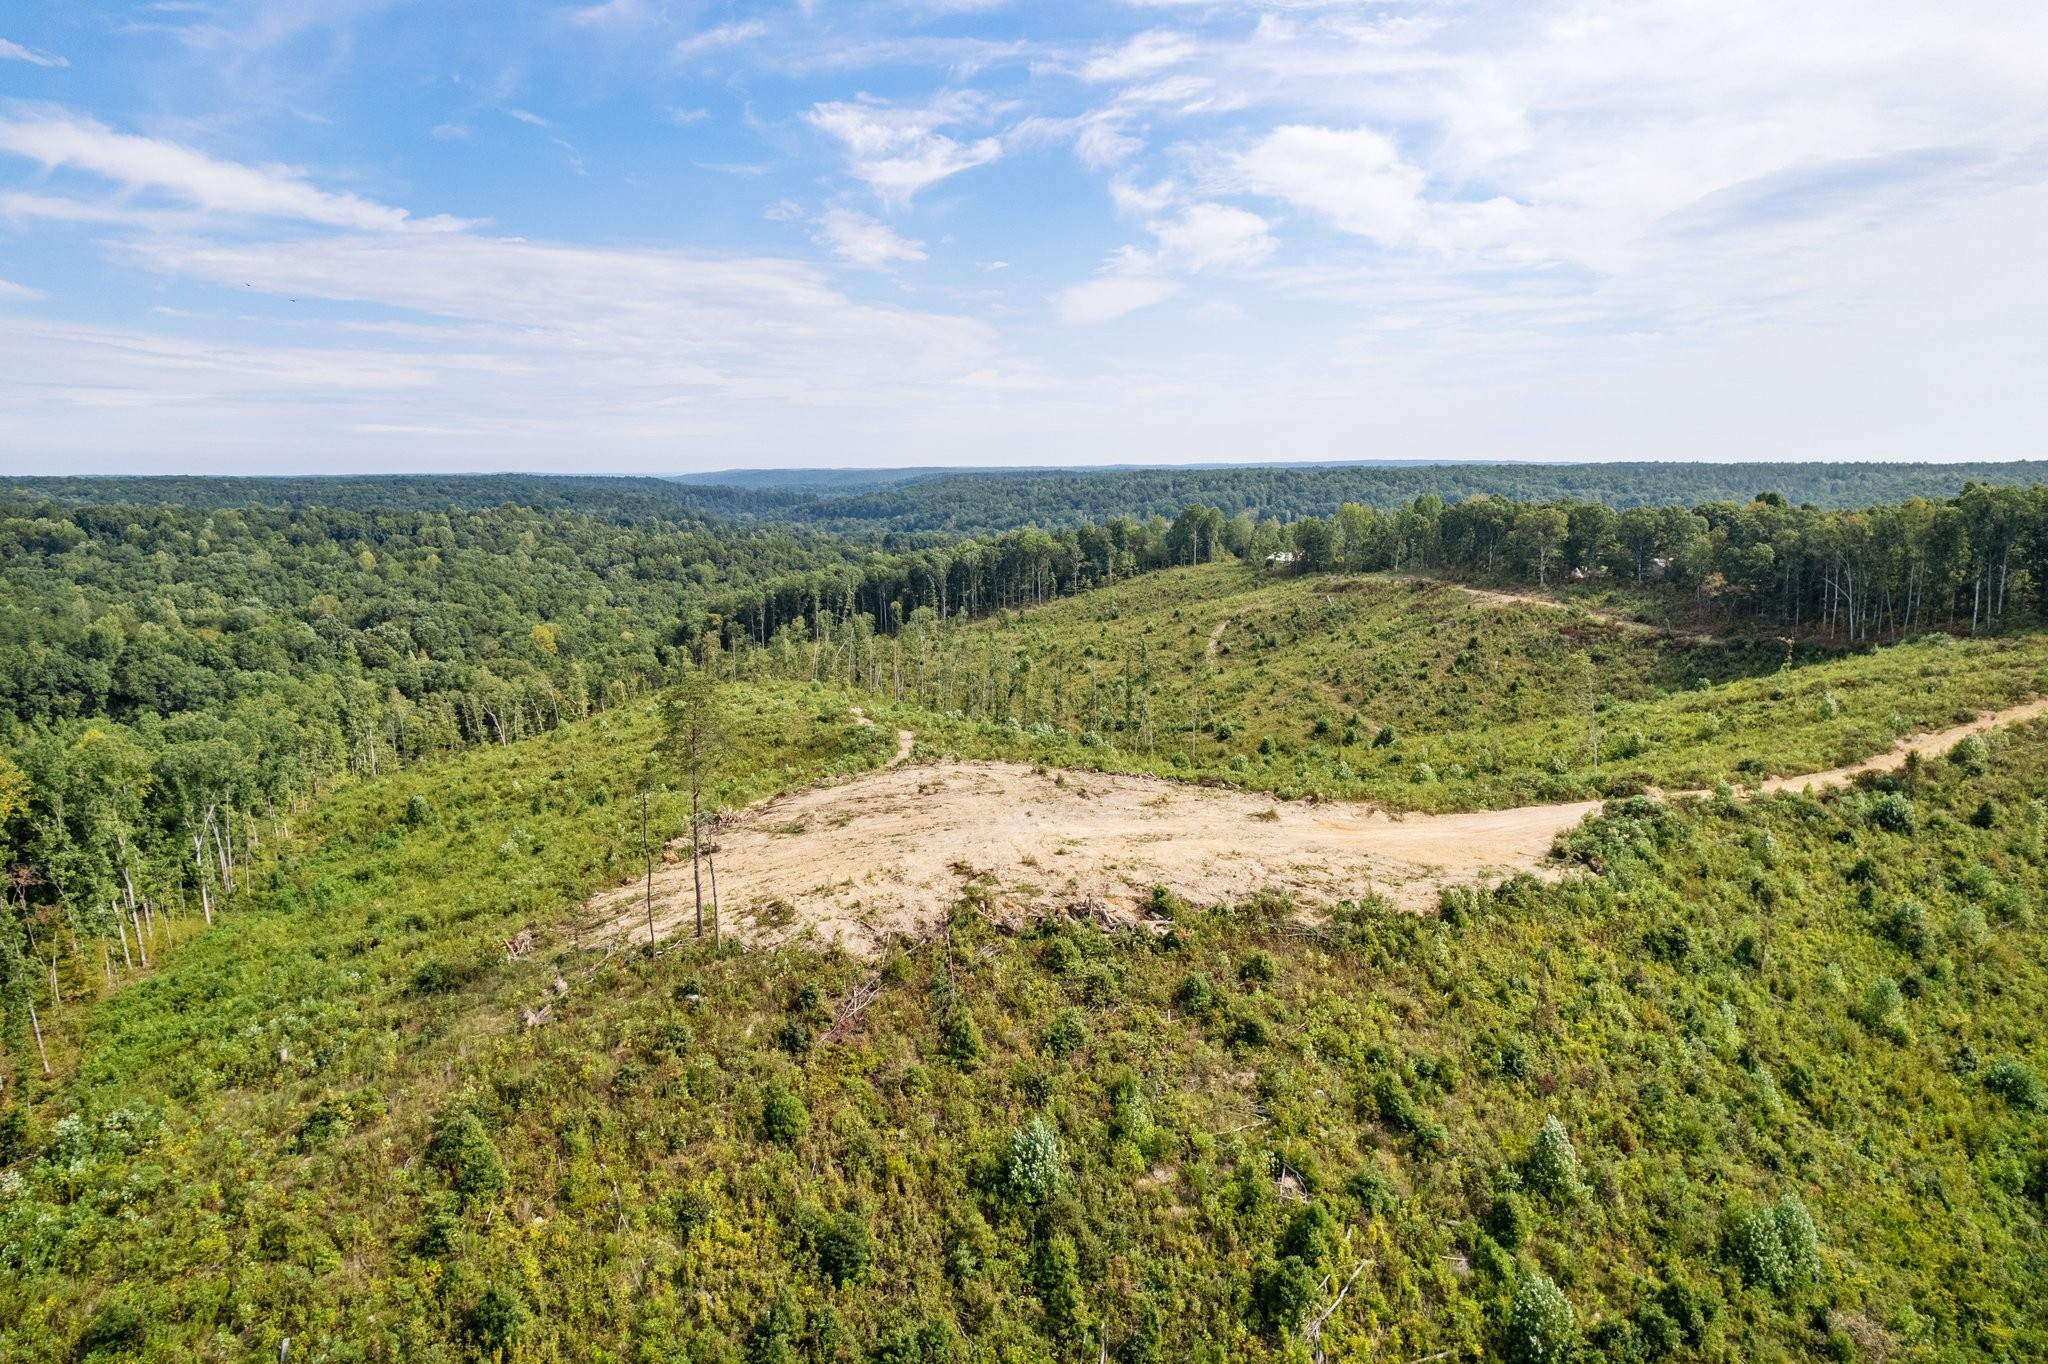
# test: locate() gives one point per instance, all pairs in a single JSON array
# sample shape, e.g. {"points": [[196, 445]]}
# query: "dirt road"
{"points": [[889, 852], [1492, 598]]}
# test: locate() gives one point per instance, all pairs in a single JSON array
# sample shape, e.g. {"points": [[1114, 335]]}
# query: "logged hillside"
{"points": [[1414, 694], [1755, 1081]]}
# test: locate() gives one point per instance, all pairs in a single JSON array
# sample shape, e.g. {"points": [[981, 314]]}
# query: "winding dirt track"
{"points": [[888, 852]]}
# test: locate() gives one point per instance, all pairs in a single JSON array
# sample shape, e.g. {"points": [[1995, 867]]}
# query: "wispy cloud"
{"points": [[56, 139], [15, 52], [857, 239], [1145, 55], [1202, 237], [898, 151], [723, 36], [1111, 296]]}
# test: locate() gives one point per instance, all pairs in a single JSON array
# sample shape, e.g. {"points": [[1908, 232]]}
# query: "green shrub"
{"points": [[675, 1038], [441, 977], [14, 1139], [1259, 969], [1130, 1117], [2012, 1080], [845, 1249], [466, 1154], [1552, 1167], [1056, 1277], [784, 1119], [1511, 1219], [1542, 1328], [1195, 993], [1283, 1290], [1971, 754], [959, 1035], [1883, 1010], [1310, 1234], [116, 1327], [1374, 1192], [1099, 985], [1776, 1248], [1068, 1033], [497, 1321], [1060, 955], [793, 1036], [1248, 1031], [1893, 813], [687, 1212], [1031, 1167], [1906, 925]]}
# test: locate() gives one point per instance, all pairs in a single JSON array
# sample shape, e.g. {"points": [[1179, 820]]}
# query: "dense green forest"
{"points": [[957, 502], [974, 503], [306, 1032]]}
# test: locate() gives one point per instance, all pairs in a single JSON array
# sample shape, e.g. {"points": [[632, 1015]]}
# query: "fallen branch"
{"points": [[852, 1007], [1312, 1333]]}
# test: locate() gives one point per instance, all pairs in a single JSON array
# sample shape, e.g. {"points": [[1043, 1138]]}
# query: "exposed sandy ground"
{"points": [[1639, 627], [888, 852]]}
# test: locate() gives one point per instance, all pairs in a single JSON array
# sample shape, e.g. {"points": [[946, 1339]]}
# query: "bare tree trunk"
{"points": [[199, 861], [696, 874], [41, 1051], [140, 945], [122, 930], [711, 863], [647, 851]]}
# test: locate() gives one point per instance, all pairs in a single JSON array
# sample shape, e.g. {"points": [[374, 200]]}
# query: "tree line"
{"points": [[1970, 561]]}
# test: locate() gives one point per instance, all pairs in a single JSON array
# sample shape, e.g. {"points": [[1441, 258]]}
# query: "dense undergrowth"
{"points": [[1422, 695], [1791, 1049]]}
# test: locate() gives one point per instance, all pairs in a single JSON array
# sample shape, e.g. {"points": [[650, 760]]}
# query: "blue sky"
{"points": [[314, 235]]}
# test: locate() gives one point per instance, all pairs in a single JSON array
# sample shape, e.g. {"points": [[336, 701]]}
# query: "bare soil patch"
{"points": [[890, 852]]}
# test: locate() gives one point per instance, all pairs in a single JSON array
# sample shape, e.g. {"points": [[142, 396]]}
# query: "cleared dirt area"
{"points": [[889, 852]]}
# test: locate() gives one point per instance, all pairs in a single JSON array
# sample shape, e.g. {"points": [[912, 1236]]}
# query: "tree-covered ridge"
{"points": [[956, 502], [974, 503], [1758, 1081], [617, 499]]}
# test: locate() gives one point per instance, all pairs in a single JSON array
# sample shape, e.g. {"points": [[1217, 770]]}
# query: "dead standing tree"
{"points": [[696, 729]]}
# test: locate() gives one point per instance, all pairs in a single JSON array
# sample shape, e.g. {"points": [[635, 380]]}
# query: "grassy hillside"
{"points": [[326, 1119], [1419, 695]]}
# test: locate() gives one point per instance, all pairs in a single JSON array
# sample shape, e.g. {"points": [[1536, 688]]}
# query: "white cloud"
{"points": [[611, 14], [56, 139], [1142, 201], [1143, 55], [1203, 236], [9, 289], [860, 240], [1355, 177], [899, 151], [15, 52], [1209, 236], [530, 118], [1108, 297], [723, 36], [1103, 143]]}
